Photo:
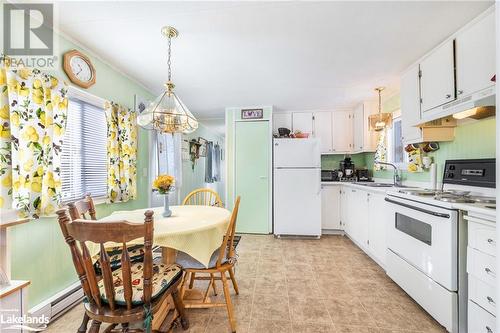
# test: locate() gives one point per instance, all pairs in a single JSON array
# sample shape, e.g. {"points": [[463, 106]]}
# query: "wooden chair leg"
{"points": [[235, 285], [229, 304], [83, 326], [213, 284], [94, 328], [179, 306], [191, 282], [183, 284]]}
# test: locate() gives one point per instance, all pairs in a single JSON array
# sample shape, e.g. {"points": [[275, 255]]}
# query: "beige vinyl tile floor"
{"points": [[303, 286]]}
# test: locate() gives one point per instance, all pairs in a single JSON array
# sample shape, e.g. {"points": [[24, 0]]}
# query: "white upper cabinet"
{"points": [[302, 121], [364, 140], [475, 56], [342, 131], [358, 128], [437, 81], [322, 129], [282, 120], [410, 106]]}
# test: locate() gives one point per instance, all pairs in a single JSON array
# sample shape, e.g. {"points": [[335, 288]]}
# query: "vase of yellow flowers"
{"points": [[164, 184]]}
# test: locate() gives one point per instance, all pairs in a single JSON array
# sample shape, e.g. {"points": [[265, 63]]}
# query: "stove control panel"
{"points": [[477, 172]]}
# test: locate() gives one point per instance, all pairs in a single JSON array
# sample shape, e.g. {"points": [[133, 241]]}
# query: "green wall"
{"points": [[193, 179], [38, 251], [331, 162], [473, 139]]}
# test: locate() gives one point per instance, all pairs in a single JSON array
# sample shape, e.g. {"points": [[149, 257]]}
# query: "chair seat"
{"points": [[163, 277], [135, 253]]}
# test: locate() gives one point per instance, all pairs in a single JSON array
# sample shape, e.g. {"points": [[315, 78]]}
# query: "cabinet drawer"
{"points": [[482, 237], [482, 294], [481, 265], [479, 320]]}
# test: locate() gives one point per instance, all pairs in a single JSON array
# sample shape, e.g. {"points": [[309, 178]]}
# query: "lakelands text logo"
{"points": [[10, 321], [28, 34]]}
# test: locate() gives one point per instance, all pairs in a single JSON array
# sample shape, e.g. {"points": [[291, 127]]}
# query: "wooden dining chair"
{"points": [[221, 262], [135, 292], [85, 209], [203, 197]]}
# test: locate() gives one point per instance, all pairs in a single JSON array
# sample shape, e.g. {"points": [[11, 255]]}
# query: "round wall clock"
{"points": [[79, 68]]}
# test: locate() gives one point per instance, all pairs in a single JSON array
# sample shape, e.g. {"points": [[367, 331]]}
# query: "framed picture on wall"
{"points": [[252, 114], [203, 146], [140, 104]]}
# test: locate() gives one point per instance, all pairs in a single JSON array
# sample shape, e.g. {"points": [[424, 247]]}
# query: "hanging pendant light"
{"points": [[168, 114], [380, 121]]}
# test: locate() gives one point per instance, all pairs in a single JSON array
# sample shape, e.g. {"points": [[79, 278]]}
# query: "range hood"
{"points": [[478, 105]]}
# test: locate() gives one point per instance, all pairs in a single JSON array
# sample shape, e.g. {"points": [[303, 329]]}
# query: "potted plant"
{"points": [[164, 184]]}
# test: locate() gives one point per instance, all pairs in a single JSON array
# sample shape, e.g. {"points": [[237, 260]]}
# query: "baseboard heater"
{"points": [[58, 304]]}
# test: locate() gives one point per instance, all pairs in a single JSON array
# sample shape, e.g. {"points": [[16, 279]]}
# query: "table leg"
{"points": [[168, 257]]}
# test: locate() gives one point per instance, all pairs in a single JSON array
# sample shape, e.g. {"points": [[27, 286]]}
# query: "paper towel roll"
{"points": [[433, 170]]}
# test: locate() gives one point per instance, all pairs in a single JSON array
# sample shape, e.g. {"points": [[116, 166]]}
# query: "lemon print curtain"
{"points": [[381, 150], [122, 152], [33, 108]]}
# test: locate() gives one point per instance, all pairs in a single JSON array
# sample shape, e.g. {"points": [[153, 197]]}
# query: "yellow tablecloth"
{"points": [[195, 230]]}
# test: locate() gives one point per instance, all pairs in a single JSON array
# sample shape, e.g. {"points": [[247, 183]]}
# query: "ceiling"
{"points": [[293, 55]]}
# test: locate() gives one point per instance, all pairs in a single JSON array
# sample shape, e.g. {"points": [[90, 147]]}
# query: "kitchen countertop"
{"points": [[476, 208]]}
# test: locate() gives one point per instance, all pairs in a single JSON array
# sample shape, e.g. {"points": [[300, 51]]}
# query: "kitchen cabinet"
{"points": [[356, 205], [364, 140], [410, 106], [330, 207], [282, 120], [13, 300], [322, 129], [303, 122], [475, 56], [342, 131], [377, 226], [437, 78]]}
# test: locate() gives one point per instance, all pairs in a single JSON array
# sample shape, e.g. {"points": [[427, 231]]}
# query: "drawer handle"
{"points": [[490, 300], [488, 329], [489, 271], [491, 241]]}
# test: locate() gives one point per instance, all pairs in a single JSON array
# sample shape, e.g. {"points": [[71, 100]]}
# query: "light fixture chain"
{"points": [[169, 55]]}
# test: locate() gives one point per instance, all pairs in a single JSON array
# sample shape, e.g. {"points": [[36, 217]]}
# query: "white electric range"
{"points": [[427, 239]]}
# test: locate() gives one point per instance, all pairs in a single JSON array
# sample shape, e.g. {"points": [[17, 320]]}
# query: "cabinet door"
{"points": [[475, 54], [437, 81], [358, 128], [330, 207], [360, 207], [323, 130], [410, 106], [282, 120], [302, 121], [342, 131], [378, 218]]}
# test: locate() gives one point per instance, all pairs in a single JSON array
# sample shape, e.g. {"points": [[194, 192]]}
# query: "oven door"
{"points": [[426, 237]]}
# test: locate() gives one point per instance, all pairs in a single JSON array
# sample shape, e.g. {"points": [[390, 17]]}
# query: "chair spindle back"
{"points": [[82, 209], [81, 231], [229, 237], [203, 197]]}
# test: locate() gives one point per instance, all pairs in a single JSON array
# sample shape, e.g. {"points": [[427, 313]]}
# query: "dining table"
{"points": [[192, 229]]}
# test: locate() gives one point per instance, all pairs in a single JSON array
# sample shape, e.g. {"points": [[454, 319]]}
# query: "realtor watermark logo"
{"points": [[28, 35], [11, 322]]}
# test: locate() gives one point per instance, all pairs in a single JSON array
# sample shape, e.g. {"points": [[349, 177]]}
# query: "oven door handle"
{"points": [[418, 208]]}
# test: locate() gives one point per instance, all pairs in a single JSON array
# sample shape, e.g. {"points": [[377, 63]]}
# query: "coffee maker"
{"points": [[347, 168]]}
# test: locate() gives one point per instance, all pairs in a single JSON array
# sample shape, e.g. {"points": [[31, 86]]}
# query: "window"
{"points": [[84, 151], [395, 148]]}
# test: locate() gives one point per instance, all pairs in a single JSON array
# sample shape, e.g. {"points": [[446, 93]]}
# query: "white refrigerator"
{"points": [[297, 187]]}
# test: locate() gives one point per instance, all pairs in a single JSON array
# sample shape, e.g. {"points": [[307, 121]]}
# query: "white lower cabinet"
{"points": [[481, 270], [377, 226], [330, 207], [363, 217]]}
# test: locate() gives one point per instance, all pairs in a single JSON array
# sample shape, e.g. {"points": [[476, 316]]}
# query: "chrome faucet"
{"points": [[398, 179]]}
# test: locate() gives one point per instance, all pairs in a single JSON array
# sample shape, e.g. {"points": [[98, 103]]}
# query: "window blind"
{"points": [[84, 152]]}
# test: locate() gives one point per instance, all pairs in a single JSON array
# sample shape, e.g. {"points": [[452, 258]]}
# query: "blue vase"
{"points": [[166, 209]]}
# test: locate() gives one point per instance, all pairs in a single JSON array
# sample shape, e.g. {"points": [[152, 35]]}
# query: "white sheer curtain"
{"points": [[166, 159]]}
